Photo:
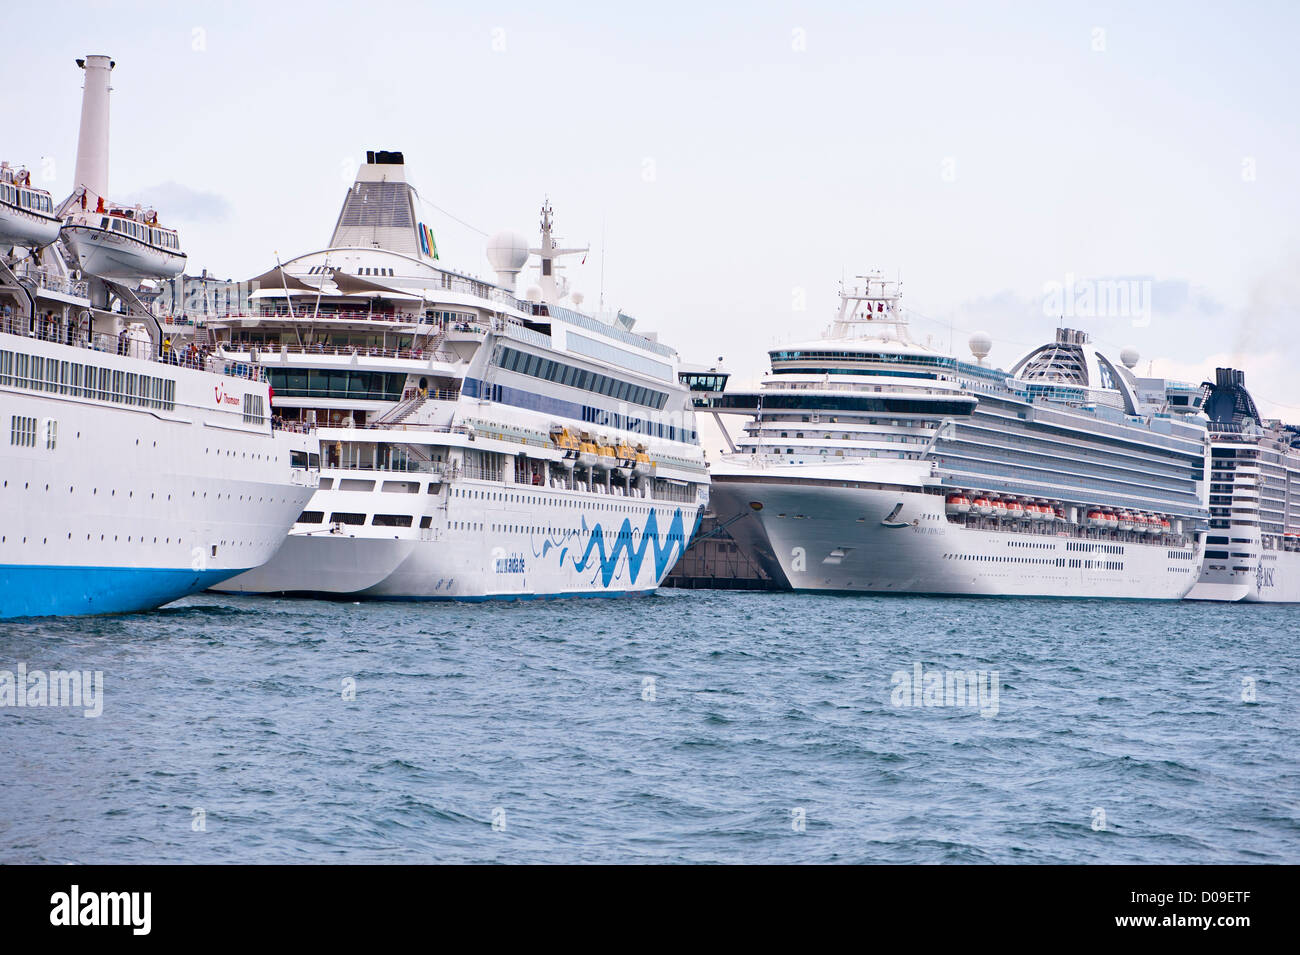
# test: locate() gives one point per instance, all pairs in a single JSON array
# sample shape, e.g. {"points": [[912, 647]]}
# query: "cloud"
{"points": [[177, 202]]}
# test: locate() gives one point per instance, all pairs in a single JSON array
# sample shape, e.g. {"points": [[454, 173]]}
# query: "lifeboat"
{"points": [[957, 504], [1015, 510], [642, 464], [1059, 514], [123, 243], [1096, 518], [27, 218], [1001, 510], [626, 457], [566, 442], [1150, 524], [1127, 521], [982, 506], [1038, 512], [606, 455], [1166, 527], [588, 452]]}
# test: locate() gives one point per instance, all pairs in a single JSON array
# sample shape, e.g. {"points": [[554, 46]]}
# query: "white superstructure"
{"points": [[475, 444], [131, 474], [1252, 551], [872, 463]]}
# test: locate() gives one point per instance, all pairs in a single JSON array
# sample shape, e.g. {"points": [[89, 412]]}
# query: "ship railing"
{"points": [[443, 468], [295, 427], [310, 314], [52, 281], [270, 351], [421, 428], [51, 331]]}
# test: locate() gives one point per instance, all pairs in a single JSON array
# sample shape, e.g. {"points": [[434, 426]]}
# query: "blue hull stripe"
{"points": [[42, 591]]}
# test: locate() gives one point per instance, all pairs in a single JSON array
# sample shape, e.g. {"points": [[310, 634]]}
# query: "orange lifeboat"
{"points": [[957, 504]]}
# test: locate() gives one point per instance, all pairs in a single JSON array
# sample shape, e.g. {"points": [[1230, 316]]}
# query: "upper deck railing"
{"points": [[198, 359]]}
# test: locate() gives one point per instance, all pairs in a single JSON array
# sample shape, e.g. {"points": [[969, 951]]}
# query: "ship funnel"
{"points": [[380, 211], [92, 139]]}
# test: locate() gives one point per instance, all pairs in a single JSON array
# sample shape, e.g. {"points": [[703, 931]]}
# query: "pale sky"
{"points": [[737, 161]]}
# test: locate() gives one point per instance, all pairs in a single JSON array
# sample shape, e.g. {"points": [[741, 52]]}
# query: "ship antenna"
{"points": [[602, 264]]}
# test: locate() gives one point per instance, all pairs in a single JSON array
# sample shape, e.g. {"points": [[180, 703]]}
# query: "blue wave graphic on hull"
{"points": [[607, 564]]}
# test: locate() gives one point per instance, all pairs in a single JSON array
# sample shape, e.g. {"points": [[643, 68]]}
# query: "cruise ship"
{"points": [[1252, 550], [871, 463], [134, 474], [475, 444]]}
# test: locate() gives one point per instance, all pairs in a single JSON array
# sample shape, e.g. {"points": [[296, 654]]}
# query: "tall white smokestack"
{"points": [[92, 140]]}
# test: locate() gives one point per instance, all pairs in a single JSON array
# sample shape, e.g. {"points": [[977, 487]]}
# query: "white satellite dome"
{"points": [[1129, 356], [507, 251], [980, 345]]}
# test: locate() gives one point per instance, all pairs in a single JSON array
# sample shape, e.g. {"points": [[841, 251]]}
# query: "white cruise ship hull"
{"points": [[1270, 577], [851, 537], [482, 545], [108, 507]]}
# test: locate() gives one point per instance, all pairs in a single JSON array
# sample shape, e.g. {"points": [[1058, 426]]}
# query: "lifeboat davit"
{"points": [[957, 504]]}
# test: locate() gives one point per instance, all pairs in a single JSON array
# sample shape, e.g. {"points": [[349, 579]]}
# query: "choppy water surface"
{"points": [[769, 733]]}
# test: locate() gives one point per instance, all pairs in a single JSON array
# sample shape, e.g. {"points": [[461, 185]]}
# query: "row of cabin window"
{"points": [[538, 367], [26, 199], [136, 230], [86, 381]]}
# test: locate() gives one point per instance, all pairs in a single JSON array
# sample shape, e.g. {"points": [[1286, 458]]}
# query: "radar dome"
{"points": [[1129, 356], [980, 345], [507, 252]]}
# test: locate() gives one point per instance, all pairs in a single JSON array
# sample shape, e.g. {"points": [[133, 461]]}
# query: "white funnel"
{"points": [[92, 140]]}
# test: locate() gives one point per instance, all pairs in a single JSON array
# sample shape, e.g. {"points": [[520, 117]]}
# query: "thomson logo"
{"points": [[102, 908], [222, 398]]}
